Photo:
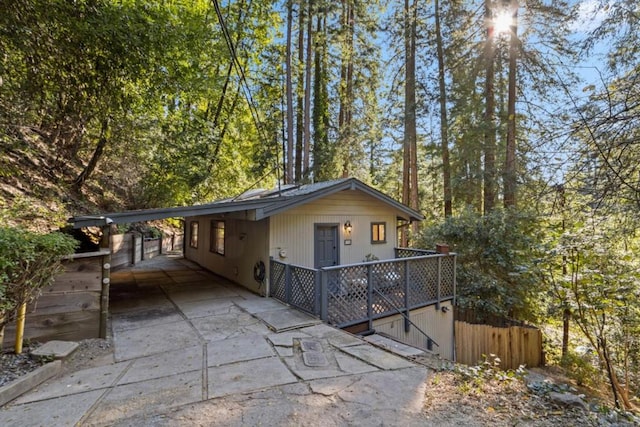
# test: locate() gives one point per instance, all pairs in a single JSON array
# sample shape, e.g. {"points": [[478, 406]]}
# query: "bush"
{"points": [[28, 262], [495, 259]]}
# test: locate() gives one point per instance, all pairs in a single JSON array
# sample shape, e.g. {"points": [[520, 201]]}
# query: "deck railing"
{"points": [[346, 295]]}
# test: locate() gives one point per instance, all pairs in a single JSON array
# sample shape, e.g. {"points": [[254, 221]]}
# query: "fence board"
{"points": [[61, 326], [515, 345], [48, 304]]}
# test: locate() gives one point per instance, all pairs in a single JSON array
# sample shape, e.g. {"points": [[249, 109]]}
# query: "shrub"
{"points": [[494, 271], [28, 262]]}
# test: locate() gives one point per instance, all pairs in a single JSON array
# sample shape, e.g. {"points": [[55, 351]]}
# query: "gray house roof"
{"points": [[260, 203]]}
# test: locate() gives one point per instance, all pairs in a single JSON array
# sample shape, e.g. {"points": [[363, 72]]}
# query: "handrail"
{"points": [[387, 261], [405, 316]]}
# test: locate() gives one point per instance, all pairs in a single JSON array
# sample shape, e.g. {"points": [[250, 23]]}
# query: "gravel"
{"points": [[13, 366], [90, 353]]}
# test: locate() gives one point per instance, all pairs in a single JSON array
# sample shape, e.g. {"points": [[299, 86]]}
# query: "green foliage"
{"points": [[28, 262], [495, 260], [581, 368], [23, 209], [473, 379]]}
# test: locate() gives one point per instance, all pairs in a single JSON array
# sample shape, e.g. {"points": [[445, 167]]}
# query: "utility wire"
{"points": [[246, 90]]}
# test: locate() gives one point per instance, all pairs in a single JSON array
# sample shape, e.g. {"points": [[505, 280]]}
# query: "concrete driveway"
{"points": [[194, 349]]}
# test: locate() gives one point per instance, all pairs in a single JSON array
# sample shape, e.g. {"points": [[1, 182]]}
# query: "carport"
{"points": [[194, 349]]}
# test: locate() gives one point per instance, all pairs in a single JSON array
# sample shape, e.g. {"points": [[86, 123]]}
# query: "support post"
{"points": [[370, 297], [324, 296], [287, 283], [22, 312], [439, 283], [134, 243], [317, 309], [106, 280], [407, 322]]}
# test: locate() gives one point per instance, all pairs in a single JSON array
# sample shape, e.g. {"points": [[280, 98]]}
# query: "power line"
{"points": [[246, 89]]}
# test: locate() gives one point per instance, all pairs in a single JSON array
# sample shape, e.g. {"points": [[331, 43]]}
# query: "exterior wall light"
{"points": [[348, 227]]}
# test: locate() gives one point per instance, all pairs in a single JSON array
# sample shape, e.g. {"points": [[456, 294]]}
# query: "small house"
{"points": [[315, 225], [327, 248]]}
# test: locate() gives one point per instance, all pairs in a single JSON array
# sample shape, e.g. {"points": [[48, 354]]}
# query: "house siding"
{"points": [[436, 323], [293, 230], [246, 242]]}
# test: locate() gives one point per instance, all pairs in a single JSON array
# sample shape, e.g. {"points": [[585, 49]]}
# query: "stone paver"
{"points": [[57, 349], [286, 319], [238, 349], [147, 397], [164, 364], [221, 327], [144, 318], [82, 381], [208, 307], [192, 349], [248, 376], [377, 357], [62, 411], [149, 340]]}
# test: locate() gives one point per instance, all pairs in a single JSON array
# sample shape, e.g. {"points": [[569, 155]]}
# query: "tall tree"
{"points": [[410, 164], [345, 112], [289, 91], [444, 123], [489, 108], [510, 175], [323, 149]]}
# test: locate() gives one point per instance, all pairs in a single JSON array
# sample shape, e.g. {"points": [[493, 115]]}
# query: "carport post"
{"points": [[105, 243]]}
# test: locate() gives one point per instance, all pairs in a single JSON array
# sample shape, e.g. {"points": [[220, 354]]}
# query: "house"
{"points": [[327, 248], [315, 225]]}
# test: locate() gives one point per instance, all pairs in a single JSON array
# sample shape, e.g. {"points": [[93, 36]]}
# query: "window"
{"points": [[378, 232], [217, 237], [193, 234]]}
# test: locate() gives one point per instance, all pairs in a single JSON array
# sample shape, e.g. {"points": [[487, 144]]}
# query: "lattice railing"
{"points": [[411, 252], [361, 292], [351, 294], [295, 285]]}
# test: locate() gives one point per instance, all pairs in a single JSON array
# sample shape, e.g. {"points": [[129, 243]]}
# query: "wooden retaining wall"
{"points": [[69, 309], [514, 345], [131, 248]]}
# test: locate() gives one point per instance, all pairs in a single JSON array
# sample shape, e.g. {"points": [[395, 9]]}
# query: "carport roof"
{"points": [[262, 204]]}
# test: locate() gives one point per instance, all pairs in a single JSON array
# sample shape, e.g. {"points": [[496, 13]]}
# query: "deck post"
{"points": [[407, 323], [287, 283], [324, 298], [439, 282], [370, 296], [317, 304]]}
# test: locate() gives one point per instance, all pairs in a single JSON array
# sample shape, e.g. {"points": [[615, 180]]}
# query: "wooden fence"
{"points": [[131, 248], [70, 308], [514, 342]]}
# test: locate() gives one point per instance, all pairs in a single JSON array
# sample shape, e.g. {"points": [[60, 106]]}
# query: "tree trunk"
{"points": [[444, 126], [306, 145], [301, 111], [489, 125], [97, 154], [510, 160], [411, 107], [289, 94], [346, 86]]}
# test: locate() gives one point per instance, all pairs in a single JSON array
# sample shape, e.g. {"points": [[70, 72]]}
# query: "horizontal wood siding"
{"points": [[69, 309], [515, 345], [436, 323], [293, 230]]}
